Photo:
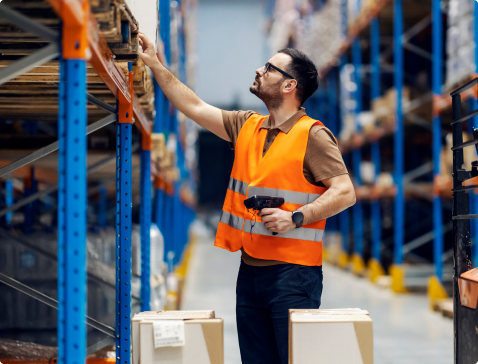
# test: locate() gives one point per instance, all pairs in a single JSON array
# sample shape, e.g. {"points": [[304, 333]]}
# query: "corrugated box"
{"points": [[161, 315], [334, 336], [204, 344]]}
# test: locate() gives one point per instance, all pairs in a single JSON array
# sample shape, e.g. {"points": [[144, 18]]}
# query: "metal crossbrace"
{"points": [[418, 120], [29, 62], [35, 59], [109, 341], [417, 172], [425, 238], [52, 147], [51, 189], [46, 253], [25, 23], [465, 217], [108, 330]]}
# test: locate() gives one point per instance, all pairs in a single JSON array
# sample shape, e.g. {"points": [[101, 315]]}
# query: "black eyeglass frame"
{"points": [[268, 65]]}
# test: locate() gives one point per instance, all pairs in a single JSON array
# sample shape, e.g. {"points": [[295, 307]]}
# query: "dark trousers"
{"points": [[264, 296]]}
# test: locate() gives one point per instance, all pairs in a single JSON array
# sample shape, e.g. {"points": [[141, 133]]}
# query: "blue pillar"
{"points": [[72, 212], [124, 208], [357, 153], [375, 146], [8, 199], [436, 85], [145, 227], [399, 136]]}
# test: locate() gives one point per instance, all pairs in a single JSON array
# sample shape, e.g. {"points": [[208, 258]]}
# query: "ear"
{"points": [[289, 86]]}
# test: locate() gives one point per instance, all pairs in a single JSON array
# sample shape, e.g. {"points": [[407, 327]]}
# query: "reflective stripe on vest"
{"points": [[232, 220], [299, 198], [238, 186], [300, 233]]}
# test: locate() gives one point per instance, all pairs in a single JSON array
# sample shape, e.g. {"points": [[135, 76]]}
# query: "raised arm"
{"points": [[181, 96]]}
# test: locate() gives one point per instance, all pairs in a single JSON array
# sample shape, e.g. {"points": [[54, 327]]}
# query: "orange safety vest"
{"points": [[279, 174]]}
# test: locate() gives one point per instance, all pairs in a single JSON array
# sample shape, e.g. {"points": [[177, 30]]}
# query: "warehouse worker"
{"points": [[286, 154]]}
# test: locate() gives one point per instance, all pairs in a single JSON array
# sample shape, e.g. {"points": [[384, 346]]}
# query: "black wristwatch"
{"points": [[297, 218]]}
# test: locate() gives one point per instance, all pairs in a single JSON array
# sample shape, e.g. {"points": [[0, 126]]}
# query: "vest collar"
{"points": [[286, 125]]}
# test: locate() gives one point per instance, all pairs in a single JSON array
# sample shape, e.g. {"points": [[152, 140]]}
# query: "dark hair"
{"points": [[304, 71]]}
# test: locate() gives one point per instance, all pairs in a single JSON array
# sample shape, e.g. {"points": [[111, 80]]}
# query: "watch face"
{"points": [[298, 217]]}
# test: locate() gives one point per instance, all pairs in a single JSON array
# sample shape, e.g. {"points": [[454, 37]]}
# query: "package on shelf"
{"points": [[367, 122], [460, 42], [384, 107], [367, 172], [336, 336], [203, 337]]}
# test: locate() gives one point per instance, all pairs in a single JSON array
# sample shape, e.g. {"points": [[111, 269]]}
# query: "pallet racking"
{"points": [[392, 31], [82, 51]]}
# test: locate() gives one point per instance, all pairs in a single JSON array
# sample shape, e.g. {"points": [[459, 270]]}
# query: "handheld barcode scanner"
{"points": [[261, 202]]}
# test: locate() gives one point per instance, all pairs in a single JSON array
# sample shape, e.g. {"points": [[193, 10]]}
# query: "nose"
{"points": [[260, 71]]}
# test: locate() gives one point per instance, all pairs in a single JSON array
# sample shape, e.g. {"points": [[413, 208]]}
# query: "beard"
{"points": [[269, 94]]}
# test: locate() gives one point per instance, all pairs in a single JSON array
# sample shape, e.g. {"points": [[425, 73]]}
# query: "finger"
{"points": [[270, 225], [267, 211], [141, 55]]}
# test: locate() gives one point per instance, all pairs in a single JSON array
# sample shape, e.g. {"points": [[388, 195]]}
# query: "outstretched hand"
{"points": [[277, 220], [148, 55]]}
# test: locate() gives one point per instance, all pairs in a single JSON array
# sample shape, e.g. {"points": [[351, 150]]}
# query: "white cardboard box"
{"points": [[336, 336], [215, 347]]}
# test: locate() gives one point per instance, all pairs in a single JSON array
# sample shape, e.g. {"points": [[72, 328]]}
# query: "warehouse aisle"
{"points": [[211, 285], [406, 331]]}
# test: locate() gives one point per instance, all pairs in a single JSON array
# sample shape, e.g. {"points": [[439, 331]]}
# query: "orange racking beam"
{"points": [[102, 58]]}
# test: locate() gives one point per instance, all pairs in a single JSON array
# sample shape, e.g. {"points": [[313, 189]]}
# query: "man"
{"points": [[286, 154]]}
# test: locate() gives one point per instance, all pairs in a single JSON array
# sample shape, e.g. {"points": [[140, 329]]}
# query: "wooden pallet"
{"points": [[35, 93], [119, 27]]}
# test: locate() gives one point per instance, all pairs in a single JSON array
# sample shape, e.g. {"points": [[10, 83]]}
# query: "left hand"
{"points": [[277, 220]]}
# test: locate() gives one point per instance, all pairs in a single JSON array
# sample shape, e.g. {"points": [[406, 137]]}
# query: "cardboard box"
{"points": [[334, 336], [204, 344], [161, 315]]}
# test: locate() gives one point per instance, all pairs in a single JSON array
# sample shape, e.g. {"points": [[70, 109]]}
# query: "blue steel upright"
{"points": [[145, 227], [72, 213], [399, 136], [357, 152], [8, 200], [124, 204], [375, 146], [436, 85]]}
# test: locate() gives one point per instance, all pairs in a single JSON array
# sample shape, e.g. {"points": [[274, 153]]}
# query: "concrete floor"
{"points": [[405, 330]]}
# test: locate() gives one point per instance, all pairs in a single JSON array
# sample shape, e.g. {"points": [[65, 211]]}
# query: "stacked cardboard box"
{"points": [[384, 108], [334, 336], [182, 337]]}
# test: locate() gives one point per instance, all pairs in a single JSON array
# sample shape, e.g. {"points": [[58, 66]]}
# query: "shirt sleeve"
{"points": [[233, 122], [322, 157]]}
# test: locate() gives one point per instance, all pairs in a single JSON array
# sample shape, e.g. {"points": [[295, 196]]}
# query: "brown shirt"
{"points": [[322, 158]]}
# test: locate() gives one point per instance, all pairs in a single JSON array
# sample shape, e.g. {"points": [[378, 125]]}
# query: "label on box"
{"points": [[168, 333]]}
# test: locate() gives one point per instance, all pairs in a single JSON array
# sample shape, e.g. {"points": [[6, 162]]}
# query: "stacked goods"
{"points": [[384, 108], [182, 337], [119, 27], [312, 27], [323, 35], [336, 336], [460, 44]]}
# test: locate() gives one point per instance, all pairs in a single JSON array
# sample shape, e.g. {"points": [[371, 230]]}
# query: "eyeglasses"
{"points": [[269, 65]]}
